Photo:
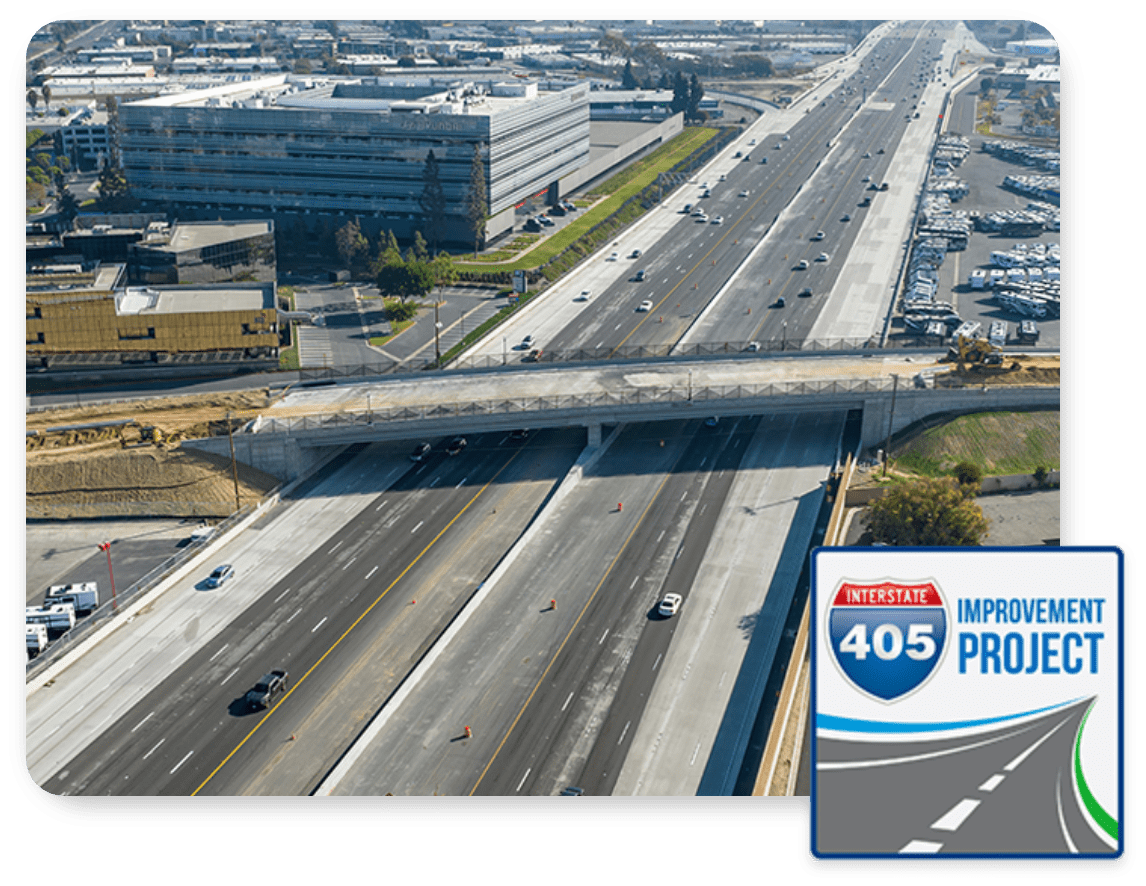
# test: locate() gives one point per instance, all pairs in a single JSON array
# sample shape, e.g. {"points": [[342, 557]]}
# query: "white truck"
{"points": [[57, 617], [84, 596], [36, 636]]}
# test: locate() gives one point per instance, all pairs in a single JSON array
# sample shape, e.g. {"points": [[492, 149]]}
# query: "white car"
{"points": [[719, 220], [220, 575], [613, 256], [744, 193], [526, 343], [670, 605], [585, 295], [819, 235], [646, 305], [823, 256], [802, 264]]}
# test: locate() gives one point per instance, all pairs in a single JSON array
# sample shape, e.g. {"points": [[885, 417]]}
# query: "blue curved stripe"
{"points": [[848, 724]]}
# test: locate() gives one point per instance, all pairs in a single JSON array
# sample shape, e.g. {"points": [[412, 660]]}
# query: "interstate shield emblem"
{"points": [[887, 638]]}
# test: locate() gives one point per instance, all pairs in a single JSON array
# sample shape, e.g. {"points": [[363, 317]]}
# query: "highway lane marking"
{"points": [[523, 778], [181, 762], [229, 676], [283, 594], [459, 486], [634, 583], [913, 758], [1061, 820], [573, 627], [319, 625], [569, 699], [695, 751], [370, 573], [603, 636], [1014, 764], [991, 783], [289, 620], [335, 548], [348, 562], [921, 847], [416, 528], [358, 620], [220, 652], [435, 483], [144, 720], [380, 507], [662, 535], [154, 749], [658, 661], [956, 815], [624, 731]]}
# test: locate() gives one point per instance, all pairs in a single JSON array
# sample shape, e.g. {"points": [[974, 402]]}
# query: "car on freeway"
{"points": [[880, 151], [747, 158], [753, 346], [787, 137], [802, 265], [806, 292], [585, 295], [613, 256], [711, 421], [640, 275], [263, 693], [846, 218], [519, 434], [780, 302], [456, 445], [752, 142], [533, 356], [702, 217], [867, 155], [737, 155], [421, 451], [687, 208], [723, 177], [220, 575], [823, 256], [646, 305], [718, 220], [819, 235], [572, 791], [779, 145], [670, 605], [866, 178], [744, 193], [526, 343], [636, 253], [763, 159]]}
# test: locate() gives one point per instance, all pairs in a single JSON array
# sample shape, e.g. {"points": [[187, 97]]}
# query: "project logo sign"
{"points": [[967, 702], [887, 638]]}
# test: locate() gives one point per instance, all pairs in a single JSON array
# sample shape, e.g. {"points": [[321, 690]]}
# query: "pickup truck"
{"points": [[267, 688]]}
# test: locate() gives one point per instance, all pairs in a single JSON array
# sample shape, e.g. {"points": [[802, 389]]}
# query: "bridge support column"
{"points": [[594, 434]]}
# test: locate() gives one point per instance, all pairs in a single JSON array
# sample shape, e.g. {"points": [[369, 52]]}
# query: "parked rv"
{"points": [[84, 596]]}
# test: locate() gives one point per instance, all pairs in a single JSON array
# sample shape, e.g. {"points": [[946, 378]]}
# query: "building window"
{"points": [[136, 335]]}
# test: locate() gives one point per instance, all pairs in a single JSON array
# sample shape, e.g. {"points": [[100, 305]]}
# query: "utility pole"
{"points": [[437, 348], [890, 419], [234, 465]]}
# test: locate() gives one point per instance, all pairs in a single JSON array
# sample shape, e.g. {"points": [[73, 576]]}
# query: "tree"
{"points": [[420, 252], [927, 512], [665, 81], [443, 270], [695, 94], [628, 78], [433, 200], [66, 201], [301, 66], [46, 92], [970, 477], [679, 103], [350, 242], [32, 98], [612, 44], [113, 187], [477, 202]]}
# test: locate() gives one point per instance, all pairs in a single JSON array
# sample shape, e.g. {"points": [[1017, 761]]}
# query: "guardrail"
{"points": [[111, 607]]}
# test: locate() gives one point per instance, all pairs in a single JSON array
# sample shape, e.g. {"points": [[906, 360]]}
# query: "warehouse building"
{"points": [[79, 317], [354, 148]]}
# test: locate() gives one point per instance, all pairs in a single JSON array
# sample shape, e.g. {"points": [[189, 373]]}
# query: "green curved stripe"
{"points": [[1105, 820]]}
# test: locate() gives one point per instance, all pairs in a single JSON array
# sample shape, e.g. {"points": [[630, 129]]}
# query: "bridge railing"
{"points": [[568, 403]]}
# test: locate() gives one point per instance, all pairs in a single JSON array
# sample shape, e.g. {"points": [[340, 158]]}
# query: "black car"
{"points": [[519, 434], [806, 292], [420, 452], [456, 445], [264, 692]]}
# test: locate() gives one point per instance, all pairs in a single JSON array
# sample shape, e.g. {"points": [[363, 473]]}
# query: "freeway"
{"points": [[814, 152], [554, 696], [333, 623]]}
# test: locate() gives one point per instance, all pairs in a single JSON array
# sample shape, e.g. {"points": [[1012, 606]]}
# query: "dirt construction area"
{"points": [[124, 459]]}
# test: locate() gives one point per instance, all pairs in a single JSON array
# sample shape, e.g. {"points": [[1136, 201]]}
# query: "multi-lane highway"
{"points": [[545, 579]]}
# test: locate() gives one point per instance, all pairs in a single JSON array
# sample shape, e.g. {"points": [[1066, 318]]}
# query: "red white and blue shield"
{"points": [[887, 637]]}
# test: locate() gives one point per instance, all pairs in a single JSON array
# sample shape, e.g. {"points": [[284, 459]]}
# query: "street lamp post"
{"points": [[105, 546]]}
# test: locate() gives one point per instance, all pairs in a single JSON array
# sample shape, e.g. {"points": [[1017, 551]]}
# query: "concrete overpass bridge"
{"points": [[893, 389]]}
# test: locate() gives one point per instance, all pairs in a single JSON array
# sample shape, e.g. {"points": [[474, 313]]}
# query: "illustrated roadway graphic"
{"points": [[1009, 790]]}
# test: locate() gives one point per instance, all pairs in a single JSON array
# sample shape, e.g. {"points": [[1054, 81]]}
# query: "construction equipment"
{"points": [[967, 349]]}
